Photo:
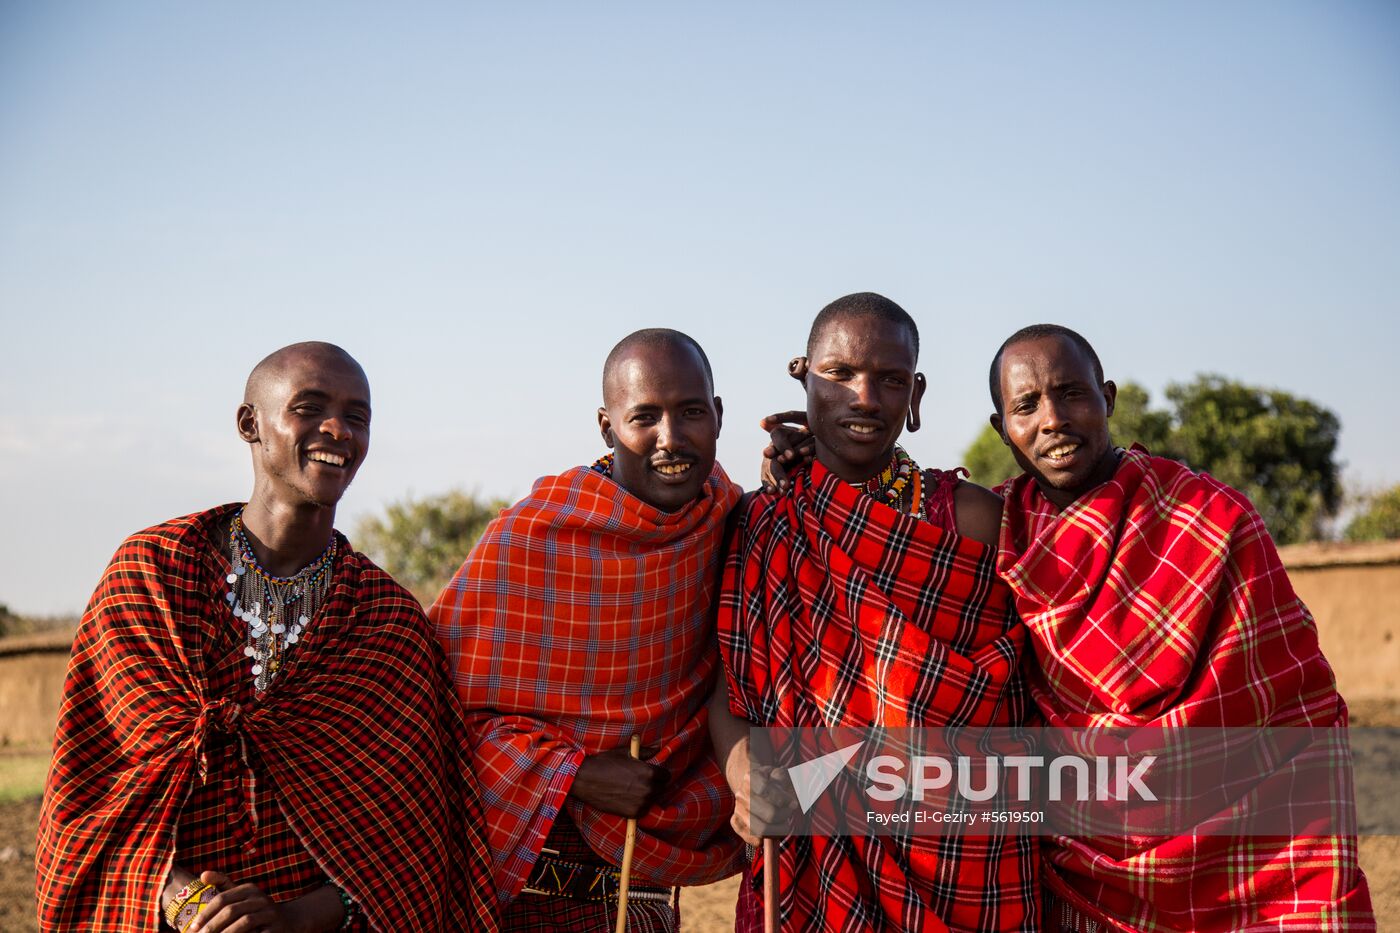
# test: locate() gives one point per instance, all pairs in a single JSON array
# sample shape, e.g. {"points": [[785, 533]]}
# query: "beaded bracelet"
{"points": [[178, 901], [187, 903], [349, 906]]}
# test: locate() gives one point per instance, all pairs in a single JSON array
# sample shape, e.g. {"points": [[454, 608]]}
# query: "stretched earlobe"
{"points": [[797, 368], [911, 419]]}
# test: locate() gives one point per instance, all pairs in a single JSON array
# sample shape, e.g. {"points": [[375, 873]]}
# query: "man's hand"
{"points": [[764, 801], [239, 909], [791, 447], [616, 783], [244, 908]]}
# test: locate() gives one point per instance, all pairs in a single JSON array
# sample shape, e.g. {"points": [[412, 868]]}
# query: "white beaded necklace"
{"points": [[267, 603]]}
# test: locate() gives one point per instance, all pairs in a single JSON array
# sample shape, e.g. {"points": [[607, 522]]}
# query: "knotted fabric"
{"points": [[1159, 599], [349, 769], [584, 616], [838, 611]]}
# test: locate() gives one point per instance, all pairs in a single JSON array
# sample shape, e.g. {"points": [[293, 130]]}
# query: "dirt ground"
{"points": [[703, 910]]}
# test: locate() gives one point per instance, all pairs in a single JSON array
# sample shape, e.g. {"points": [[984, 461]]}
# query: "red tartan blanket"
{"points": [[836, 610], [1160, 598], [358, 741], [581, 617]]}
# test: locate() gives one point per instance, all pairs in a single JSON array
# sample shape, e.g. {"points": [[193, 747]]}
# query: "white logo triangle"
{"points": [[811, 778]]}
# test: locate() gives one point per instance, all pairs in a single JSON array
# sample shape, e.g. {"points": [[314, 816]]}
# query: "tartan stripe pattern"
{"points": [[583, 616], [1159, 598], [351, 768], [838, 611]]}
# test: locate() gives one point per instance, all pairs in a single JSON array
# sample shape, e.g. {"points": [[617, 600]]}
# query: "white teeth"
{"points": [[673, 469], [320, 457], [1059, 453], [862, 429]]}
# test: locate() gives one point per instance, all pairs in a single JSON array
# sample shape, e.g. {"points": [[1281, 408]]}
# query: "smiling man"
{"points": [[867, 595], [1154, 597], [584, 617], [258, 730]]}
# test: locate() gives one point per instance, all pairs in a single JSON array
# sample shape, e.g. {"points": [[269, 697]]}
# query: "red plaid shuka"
{"points": [[1159, 598], [348, 770], [584, 616], [838, 611]]}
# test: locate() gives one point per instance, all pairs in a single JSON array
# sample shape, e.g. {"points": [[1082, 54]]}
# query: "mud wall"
{"points": [[31, 684], [1352, 590]]}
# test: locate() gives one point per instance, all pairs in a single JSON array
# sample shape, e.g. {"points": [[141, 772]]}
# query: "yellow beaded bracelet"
{"points": [[186, 905]]}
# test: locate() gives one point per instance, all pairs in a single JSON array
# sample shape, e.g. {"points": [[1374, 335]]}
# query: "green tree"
{"points": [[1276, 448], [1379, 520], [1134, 423], [989, 461], [422, 542]]}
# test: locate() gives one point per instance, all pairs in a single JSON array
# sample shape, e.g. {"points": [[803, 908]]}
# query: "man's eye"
{"points": [[838, 373], [306, 409]]}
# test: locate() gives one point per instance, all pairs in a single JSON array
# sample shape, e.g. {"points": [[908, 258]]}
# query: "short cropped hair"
{"points": [[1034, 332], [656, 337], [862, 304]]}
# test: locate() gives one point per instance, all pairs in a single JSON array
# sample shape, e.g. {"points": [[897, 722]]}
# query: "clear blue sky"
{"points": [[479, 200]]}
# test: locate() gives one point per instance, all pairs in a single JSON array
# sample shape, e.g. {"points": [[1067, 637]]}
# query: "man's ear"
{"points": [[247, 421], [911, 420], [1110, 395], [605, 427], [719, 414], [998, 426], [797, 369]]}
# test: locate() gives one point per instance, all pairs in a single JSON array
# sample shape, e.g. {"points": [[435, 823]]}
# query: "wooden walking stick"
{"points": [[628, 845], [770, 886]]}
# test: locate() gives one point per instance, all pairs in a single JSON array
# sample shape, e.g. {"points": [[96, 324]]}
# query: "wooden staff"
{"points": [[770, 886], [628, 845]]}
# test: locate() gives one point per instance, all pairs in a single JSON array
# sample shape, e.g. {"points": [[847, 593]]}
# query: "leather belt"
{"points": [[553, 876]]}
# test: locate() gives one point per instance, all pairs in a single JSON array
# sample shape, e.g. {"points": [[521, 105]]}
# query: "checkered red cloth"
{"points": [[583, 616], [1159, 598], [349, 769], [838, 611]]}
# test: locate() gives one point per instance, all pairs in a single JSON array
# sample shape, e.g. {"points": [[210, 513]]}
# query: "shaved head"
{"points": [[660, 417], [863, 305], [652, 341], [275, 366]]}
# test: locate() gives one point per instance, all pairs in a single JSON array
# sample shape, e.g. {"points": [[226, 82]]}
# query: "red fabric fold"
{"points": [[352, 763], [1159, 598], [583, 616], [838, 611]]}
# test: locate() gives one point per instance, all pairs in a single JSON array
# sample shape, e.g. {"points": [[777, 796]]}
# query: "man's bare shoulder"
{"points": [[978, 511]]}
